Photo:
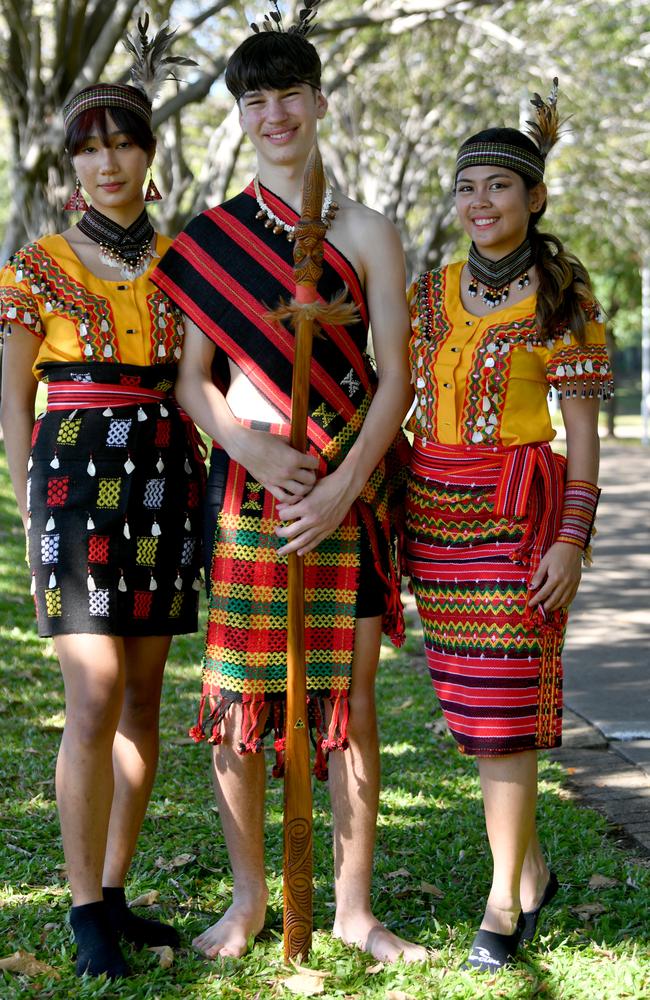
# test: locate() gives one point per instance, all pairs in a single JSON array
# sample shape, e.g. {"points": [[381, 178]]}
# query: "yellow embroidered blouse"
{"points": [[485, 379], [79, 317]]}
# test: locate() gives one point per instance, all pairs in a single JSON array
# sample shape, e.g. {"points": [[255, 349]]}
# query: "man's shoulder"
{"points": [[363, 215], [373, 240]]}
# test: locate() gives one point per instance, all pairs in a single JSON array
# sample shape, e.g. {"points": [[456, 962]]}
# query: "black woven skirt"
{"points": [[115, 499]]}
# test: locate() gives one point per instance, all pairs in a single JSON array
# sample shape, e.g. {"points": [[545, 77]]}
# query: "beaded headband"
{"points": [[107, 95], [523, 153], [477, 154]]}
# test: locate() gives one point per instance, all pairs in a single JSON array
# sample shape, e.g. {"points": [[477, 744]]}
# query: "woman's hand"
{"points": [[557, 577]]}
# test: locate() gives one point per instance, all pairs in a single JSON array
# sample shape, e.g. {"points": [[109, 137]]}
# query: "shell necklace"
{"points": [[330, 208]]}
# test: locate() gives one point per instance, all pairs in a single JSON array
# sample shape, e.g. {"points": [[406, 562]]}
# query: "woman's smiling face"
{"points": [[494, 207]]}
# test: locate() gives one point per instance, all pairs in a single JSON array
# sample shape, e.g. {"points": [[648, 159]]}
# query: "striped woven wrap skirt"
{"points": [[478, 521], [115, 494]]}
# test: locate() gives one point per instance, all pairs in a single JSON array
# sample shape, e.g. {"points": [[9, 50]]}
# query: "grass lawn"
{"points": [[431, 869]]}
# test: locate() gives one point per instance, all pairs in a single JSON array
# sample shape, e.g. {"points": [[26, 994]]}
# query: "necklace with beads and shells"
{"points": [[278, 225]]}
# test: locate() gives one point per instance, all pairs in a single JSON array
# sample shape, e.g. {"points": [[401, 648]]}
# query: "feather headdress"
{"points": [[304, 26], [152, 61], [545, 129]]}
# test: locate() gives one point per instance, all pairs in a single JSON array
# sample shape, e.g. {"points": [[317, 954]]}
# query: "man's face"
{"points": [[282, 124]]}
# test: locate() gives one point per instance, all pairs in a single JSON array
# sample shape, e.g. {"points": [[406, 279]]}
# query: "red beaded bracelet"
{"points": [[578, 513]]}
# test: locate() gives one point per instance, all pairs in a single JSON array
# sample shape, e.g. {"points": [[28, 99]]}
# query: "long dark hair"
{"points": [[565, 296]]}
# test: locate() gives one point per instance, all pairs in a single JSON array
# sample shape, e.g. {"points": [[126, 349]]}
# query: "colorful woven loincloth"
{"points": [[246, 638], [478, 521]]}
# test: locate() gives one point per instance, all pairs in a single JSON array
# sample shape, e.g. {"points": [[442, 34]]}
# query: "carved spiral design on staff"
{"points": [[298, 886]]}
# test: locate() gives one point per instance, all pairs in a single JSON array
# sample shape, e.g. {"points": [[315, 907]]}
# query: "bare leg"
{"points": [[239, 785], [135, 751], [509, 786], [354, 790], [534, 875], [93, 675]]}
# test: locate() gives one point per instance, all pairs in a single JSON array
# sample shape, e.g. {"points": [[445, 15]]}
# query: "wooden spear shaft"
{"points": [[298, 869]]}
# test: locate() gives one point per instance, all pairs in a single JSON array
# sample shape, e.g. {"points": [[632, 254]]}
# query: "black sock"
{"points": [[98, 950], [138, 931]]}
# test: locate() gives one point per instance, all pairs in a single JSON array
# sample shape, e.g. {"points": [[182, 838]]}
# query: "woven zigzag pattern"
{"points": [[480, 532], [483, 599], [497, 674], [478, 641]]}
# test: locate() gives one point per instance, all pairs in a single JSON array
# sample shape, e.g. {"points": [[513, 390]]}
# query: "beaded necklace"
{"points": [[496, 276], [330, 208], [129, 249]]}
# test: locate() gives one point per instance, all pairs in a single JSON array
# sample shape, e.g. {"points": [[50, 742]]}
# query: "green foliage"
{"points": [[430, 831]]}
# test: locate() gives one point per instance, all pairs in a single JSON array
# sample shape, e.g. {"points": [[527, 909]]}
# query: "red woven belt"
{"points": [[95, 395]]}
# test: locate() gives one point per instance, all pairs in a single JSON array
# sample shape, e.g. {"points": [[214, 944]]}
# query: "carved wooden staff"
{"points": [[304, 312]]}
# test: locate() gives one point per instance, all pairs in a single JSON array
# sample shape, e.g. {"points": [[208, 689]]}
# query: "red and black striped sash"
{"points": [[226, 271]]}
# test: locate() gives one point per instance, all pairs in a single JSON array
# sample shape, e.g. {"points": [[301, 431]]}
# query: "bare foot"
{"points": [[371, 936], [229, 937]]}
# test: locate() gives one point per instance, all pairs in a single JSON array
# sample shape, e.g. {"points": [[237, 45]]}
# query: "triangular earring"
{"points": [[152, 193], [76, 202]]}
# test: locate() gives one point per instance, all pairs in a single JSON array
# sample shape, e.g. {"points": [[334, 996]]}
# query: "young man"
{"points": [[229, 267]]}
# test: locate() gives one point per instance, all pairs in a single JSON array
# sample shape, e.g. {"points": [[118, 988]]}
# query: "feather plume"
{"points": [[152, 61], [545, 129], [338, 312], [273, 20], [306, 16]]}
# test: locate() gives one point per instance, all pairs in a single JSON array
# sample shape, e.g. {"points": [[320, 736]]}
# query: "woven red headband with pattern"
{"points": [[107, 95]]}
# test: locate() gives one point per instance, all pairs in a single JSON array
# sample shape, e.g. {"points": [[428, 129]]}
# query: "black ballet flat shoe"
{"points": [[491, 951], [532, 916]]}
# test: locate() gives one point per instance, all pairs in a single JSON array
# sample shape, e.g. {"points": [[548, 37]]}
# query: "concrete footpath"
{"points": [[606, 746]]}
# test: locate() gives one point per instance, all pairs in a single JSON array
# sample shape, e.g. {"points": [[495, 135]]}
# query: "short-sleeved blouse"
{"points": [[79, 317], [485, 379]]}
